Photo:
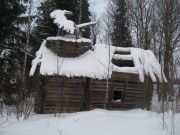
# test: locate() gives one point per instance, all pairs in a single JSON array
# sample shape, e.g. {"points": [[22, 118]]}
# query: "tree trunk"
{"points": [[80, 10]]}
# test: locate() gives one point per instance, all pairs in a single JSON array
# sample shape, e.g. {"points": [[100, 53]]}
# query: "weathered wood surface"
{"points": [[77, 94], [67, 49], [130, 76], [97, 94], [63, 94], [39, 93], [133, 91]]}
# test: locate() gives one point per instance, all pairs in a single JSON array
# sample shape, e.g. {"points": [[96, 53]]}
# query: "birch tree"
{"points": [[141, 13], [169, 20]]}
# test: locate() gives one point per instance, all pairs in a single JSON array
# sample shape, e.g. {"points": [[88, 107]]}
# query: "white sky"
{"points": [[95, 5], [98, 5]]}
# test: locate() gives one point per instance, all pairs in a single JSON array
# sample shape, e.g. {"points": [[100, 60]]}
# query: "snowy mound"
{"points": [[62, 22], [95, 63], [96, 122]]}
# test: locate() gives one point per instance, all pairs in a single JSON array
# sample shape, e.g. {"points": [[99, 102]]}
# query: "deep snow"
{"points": [[95, 122]]}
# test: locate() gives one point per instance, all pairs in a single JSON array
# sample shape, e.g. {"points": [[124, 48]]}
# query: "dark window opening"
{"points": [[123, 63], [117, 96], [122, 53]]}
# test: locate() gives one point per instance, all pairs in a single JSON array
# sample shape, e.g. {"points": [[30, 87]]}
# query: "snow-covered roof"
{"points": [[144, 61], [95, 63], [70, 38]]}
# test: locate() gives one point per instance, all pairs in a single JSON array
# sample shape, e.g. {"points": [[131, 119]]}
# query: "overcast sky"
{"points": [[98, 5], [95, 5]]}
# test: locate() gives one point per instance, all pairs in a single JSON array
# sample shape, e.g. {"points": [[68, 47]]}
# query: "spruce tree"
{"points": [[9, 18], [11, 45], [121, 34], [45, 26]]}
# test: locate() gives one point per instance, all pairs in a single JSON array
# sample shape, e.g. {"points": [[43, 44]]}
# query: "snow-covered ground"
{"points": [[95, 122]]}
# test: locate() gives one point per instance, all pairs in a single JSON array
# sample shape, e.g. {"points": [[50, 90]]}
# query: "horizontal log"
{"points": [[52, 88], [98, 93], [131, 103], [135, 92], [135, 87], [96, 106], [92, 99], [134, 99], [74, 79], [55, 104], [72, 86], [98, 90], [97, 102], [124, 75], [51, 91], [53, 82], [135, 96], [73, 89], [58, 94], [118, 87], [60, 97], [98, 81], [98, 86], [73, 82], [64, 102], [64, 110], [54, 78], [73, 96], [118, 83]]}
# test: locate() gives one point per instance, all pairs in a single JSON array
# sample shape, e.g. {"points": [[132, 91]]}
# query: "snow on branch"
{"points": [[85, 25]]}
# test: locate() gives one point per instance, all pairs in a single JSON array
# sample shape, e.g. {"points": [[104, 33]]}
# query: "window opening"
{"points": [[117, 96]]}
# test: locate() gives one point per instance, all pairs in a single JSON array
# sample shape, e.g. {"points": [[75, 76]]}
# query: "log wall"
{"points": [[63, 94], [68, 49], [133, 91], [97, 94], [39, 92]]}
